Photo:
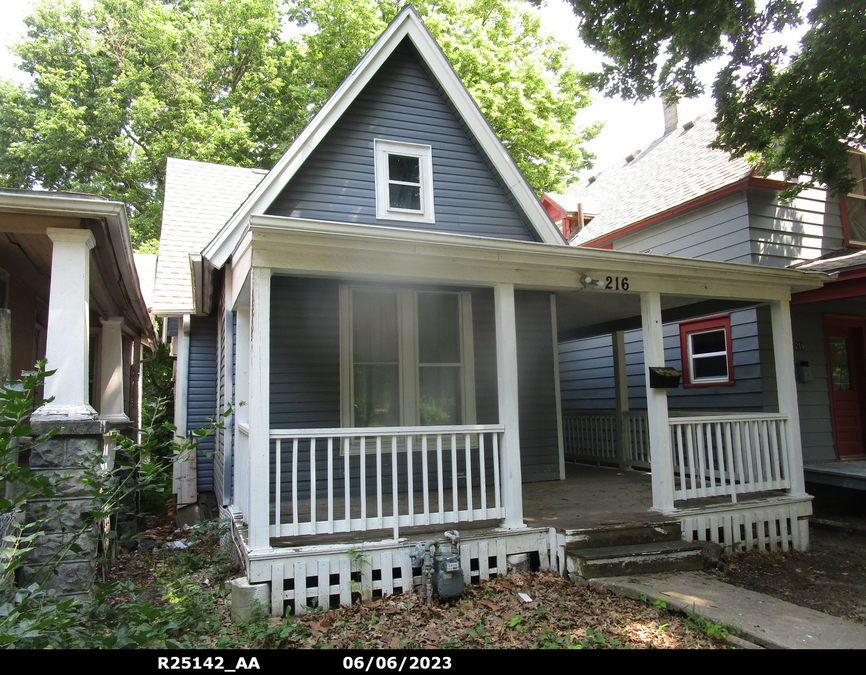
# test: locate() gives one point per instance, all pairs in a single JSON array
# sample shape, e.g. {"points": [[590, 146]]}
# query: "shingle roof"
{"points": [[837, 262], [672, 170], [199, 199]]}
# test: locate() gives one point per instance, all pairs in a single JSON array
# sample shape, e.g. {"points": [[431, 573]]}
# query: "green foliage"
{"points": [[717, 631], [120, 85], [792, 117]]}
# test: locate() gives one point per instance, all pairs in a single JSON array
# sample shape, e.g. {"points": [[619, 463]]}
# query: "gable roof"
{"points": [[672, 170], [199, 199], [406, 25]]}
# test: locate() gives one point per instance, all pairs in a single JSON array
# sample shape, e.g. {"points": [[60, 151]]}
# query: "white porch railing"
{"points": [[718, 455], [591, 437], [348, 480]]}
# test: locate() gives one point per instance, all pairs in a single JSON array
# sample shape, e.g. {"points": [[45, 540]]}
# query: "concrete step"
{"points": [[652, 558], [623, 535]]}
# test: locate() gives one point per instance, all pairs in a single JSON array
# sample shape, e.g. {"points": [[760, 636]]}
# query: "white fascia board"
{"points": [[281, 230], [407, 23]]}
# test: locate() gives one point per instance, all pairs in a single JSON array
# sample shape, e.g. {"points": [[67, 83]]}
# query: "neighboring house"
{"points": [[69, 293], [382, 310], [679, 197]]}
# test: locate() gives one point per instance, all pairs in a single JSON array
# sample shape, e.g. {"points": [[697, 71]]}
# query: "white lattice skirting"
{"points": [[780, 527], [328, 576]]}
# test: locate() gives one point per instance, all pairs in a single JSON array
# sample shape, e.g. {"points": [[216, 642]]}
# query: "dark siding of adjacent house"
{"points": [[403, 103], [201, 400], [586, 371]]}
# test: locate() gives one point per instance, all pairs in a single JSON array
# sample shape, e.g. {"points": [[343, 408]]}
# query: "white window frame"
{"points": [[382, 149], [407, 321], [688, 330]]}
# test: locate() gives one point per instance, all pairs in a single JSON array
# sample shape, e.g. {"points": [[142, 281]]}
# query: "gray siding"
{"points": [[783, 234], [715, 231], [586, 371], [403, 103], [539, 437], [201, 397]]}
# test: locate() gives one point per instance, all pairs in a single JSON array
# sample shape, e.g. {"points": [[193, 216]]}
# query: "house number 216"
{"points": [[616, 284]]}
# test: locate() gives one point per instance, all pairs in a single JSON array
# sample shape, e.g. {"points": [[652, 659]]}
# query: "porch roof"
{"points": [[577, 275]]}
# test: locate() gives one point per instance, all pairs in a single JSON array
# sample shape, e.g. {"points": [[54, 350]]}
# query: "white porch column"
{"points": [[111, 380], [228, 384], [783, 354], [259, 403], [657, 404], [241, 487], [506, 371], [68, 343], [620, 377]]}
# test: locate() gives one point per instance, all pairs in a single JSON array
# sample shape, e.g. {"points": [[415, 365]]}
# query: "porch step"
{"points": [[631, 549], [620, 535]]}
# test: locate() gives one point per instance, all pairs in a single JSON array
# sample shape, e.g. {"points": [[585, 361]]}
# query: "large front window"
{"points": [[407, 357]]}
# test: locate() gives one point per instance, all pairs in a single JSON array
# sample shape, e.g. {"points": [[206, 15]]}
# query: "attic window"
{"points": [[404, 181], [855, 201]]}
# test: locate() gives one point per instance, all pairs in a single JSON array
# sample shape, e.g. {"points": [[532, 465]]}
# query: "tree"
{"points": [[795, 116], [120, 85]]}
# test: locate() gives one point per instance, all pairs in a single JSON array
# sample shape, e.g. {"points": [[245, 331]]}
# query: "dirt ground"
{"points": [[831, 577]]}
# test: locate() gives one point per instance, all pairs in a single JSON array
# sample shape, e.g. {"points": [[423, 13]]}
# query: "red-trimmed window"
{"points": [[706, 351]]}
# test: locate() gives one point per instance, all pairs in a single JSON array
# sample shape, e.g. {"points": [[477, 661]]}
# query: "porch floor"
{"points": [[850, 474]]}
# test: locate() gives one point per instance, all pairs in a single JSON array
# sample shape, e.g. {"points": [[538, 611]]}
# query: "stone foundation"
{"points": [[70, 572]]}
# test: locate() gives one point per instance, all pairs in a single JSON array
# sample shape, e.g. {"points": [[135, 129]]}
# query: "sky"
{"points": [[628, 126]]}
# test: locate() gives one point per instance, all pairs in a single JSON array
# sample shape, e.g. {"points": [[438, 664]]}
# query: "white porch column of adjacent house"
{"points": [[259, 402], [111, 379], [783, 353], [185, 469], [68, 341], [657, 404], [506, 370]]}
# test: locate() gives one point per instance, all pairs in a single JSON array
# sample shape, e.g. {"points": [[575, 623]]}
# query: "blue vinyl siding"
{"points": [[586, 371], [201, 397], [403, 103]]}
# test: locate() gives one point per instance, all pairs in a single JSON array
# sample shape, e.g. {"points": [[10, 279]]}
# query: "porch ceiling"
{"points": [[586, 313]]}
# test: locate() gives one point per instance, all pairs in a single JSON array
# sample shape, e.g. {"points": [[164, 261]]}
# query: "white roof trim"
{"points": [[407, 23]]}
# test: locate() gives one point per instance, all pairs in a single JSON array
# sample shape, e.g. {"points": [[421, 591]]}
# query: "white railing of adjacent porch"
{"points": [[349, 480], [727, 455], [591, 437]]}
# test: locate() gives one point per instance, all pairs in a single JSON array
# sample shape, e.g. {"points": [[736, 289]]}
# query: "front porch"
{"points": [[332, 475]]}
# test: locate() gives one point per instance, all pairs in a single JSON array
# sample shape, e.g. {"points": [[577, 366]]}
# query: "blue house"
{"points": [[383, 309]]}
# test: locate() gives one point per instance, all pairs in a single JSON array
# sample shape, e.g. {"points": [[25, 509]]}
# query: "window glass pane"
{"points": [[404, 169], [377, 396], [438, 328], [374, 327], [856, 211], [404, 197], [839, 364], [440, 395], [709, 342], [710, 367]]}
